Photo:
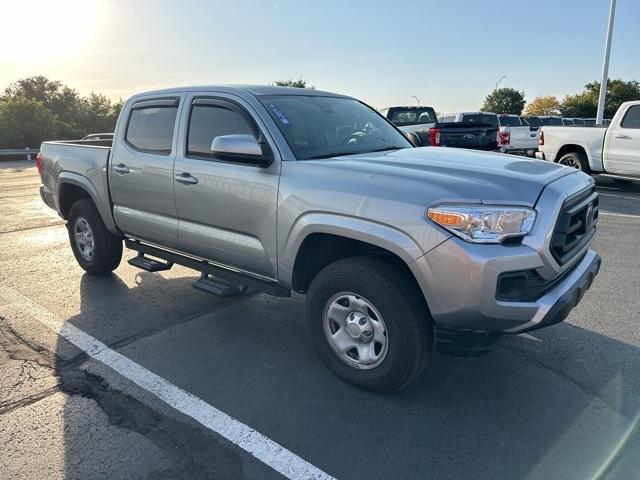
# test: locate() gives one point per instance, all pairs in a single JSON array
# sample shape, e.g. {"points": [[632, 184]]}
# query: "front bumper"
{"points": [[461, 283], [47, 197], [540, 155], [556, 304]]}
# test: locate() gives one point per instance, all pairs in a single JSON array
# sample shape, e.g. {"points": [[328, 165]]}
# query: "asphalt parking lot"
{"points": [[562, 402]]}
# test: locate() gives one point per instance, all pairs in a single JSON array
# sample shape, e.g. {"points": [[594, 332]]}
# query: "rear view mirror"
{"points": [[240, 148]]}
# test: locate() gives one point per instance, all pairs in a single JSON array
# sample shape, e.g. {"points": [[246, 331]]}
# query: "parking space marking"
{"points": [[258, 445], [624, 215], [626, 197]]}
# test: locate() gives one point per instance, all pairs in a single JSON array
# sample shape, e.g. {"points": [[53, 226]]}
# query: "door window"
{"points": [[150, 127], [631, 118], [208, 121]]}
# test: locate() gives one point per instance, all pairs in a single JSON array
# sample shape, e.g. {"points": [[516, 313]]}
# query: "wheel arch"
{"points": [[570, 148], [73, 187], [343, 234]]}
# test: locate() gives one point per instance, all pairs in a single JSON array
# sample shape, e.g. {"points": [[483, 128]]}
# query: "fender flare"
{"points": [[102, 202], [379, 235]]}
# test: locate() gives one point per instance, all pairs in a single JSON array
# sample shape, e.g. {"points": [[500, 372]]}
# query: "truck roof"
{"points": [[251, 89]]}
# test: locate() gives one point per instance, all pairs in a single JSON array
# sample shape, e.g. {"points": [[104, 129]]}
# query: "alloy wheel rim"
{"points": [[83, 236], [355, 330], [571, 162]]}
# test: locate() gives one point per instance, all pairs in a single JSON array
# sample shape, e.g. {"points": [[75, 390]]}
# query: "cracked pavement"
{"points": [[558, 403]]}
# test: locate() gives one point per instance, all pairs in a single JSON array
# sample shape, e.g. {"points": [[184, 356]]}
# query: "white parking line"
{"points": [[261, 447], [626, 197], [624, 215]]}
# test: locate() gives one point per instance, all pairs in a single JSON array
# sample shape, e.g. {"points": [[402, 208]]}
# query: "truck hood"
{"points": [[452, 174]]}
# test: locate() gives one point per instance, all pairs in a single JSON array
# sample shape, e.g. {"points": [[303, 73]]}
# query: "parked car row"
{"points": [[475, 130], [506, 133], [537, 121]]}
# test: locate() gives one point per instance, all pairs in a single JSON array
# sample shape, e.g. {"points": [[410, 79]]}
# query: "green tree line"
{"points": [[36, 109], [581, 105]]}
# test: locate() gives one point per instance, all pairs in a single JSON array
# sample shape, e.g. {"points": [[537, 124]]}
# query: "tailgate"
{"points": [[521, 137], [462, 136]]}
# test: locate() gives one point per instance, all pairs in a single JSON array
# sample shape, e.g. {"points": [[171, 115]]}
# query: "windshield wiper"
{"points": [[385, 149], [344, 154]]}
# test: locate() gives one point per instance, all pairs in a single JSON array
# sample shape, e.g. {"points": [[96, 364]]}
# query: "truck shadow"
{"points": [[556, 403]]}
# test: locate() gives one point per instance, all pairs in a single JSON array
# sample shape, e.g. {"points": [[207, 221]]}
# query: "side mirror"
{"points": [[413, 138], [241, 148]]}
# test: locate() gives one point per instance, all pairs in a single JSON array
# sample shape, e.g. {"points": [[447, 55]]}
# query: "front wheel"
{"points": [[369, 323], [96, 249]]}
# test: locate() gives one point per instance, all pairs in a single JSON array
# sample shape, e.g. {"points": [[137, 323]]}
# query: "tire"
{"points": [[396, 305], [577, 160], [106, 250]]}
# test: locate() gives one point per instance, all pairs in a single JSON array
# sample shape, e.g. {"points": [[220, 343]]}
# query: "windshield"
{"points": [[533, 121], [323, 127], [411, 116], [485, 118], [507, 121], [551, 121]]}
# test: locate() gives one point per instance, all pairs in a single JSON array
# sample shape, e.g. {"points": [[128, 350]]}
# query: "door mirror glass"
{"points": [[239, 147]]}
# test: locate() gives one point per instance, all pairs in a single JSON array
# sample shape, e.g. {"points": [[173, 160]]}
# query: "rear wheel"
{"points": [[96, 249], [369, 323], [577, 160]]}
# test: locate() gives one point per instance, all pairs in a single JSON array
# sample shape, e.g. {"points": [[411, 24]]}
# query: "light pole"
{"points": [[416, 99], [500, 80], [605, 66]]}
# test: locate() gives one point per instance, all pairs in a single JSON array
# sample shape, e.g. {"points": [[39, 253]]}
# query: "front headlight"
{"points": [[484, 223]]}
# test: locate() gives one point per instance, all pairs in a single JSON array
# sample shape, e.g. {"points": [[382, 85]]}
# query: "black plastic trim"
{"points": [[231, 276]]}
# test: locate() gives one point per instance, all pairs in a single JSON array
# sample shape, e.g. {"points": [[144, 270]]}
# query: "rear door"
{"points": [[228, 213], [622, 152], [141, 171]]}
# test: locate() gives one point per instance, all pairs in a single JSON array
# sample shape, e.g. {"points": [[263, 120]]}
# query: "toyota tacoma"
{"points": [[285, 190]]}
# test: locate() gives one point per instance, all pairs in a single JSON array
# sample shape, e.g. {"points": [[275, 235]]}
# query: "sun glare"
{"points": [[45, 30]]}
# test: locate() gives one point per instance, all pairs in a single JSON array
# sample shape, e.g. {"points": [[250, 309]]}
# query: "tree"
{"points": [[69, 114], [585, 103], [504, 100], [545, 105], [26, 123], [580, 105], [299, 83]]}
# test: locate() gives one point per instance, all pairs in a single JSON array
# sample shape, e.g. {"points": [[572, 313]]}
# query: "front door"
{"points": [[226, 209], [623, 145], [141, 172]]}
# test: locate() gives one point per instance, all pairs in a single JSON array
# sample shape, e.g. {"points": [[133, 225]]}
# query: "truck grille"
{"points": [[576, 225]]}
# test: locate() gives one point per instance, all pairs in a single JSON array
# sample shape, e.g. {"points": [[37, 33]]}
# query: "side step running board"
{"points": [[149, 264], [210, 284], [230, 277]]}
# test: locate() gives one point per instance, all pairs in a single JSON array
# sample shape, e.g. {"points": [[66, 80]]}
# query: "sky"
{"points": [[448, 53]]}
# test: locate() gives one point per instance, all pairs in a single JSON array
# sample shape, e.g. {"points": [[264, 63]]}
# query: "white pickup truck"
{"points": [[514, 136], [612, 151]]}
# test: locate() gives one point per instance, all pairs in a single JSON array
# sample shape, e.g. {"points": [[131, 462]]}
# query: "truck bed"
{"points": [[78, 162]]}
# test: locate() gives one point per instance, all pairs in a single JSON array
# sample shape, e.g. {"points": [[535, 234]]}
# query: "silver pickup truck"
{"points": [[285, 189]]}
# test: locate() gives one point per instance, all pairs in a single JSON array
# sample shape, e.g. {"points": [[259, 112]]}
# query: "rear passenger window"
{"points": [[151, 128], [631, 118], [210, 121]]}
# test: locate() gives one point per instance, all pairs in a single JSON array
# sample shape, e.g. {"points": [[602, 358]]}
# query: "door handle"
{"points": [[121, 168], [186, 178], [621, 135]]}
